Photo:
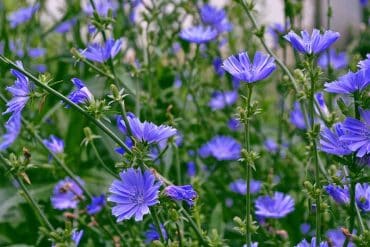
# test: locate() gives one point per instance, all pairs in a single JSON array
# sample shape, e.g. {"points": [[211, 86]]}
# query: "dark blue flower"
{"points": [[54, 144], [198, 34], [358, 134], [102, 7], [133, 194], [271, 145], [129, 143], [305, 228], [96, 205], [65, 26], [182, 193], [81, 94], [215, 17], [349, 83], [362, 194], [76, 236], [16, 47], [217, 65], [20, 91], [363, 3], [22, 15], [314, 44], [152, 234], [66, 194], [339, 194], [36, 52], [191, 169], [221, 148], [330, 141], [240, 186], [234, 124], [304, 243], [337, 238], [277, 206], [243, 69], [337, 60], [296, 117], [220, 100], [13, 128], [321, 105], [276, 30], [146, 131], [102, 52], [177, 83]]}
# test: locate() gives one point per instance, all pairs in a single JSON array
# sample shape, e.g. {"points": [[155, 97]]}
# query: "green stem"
{"points": [[153, 213], [40, 214], [177, 162], [60, 96], [269, 51], [179, 234], [124, 116], [314, 147], [194, 226], [102, 163], [248, 168], [56, 158]]}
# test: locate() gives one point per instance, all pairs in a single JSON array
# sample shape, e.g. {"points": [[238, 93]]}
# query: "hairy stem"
{"points": [[248, 167], [40, 214]]}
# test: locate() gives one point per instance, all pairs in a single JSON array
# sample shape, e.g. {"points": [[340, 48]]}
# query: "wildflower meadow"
{"points": [[184, 123]]}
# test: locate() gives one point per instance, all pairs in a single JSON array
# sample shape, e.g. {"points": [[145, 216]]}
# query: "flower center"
{"points": [[138, 198]]}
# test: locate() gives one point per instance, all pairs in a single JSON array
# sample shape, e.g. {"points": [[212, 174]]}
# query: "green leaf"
{"points": [[217, 220]]}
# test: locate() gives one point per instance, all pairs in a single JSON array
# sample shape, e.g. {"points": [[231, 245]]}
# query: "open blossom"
{"points": [[221, 148], [220, 100], [146, 131], [54, 144], [96, 205], [242, 68], [81, 94], [304, 243], [13, 128], [240, 186], [337, 60], [198, 34], [20, 91], [181, 193], [314, 44], [339, 194], [362, 194], [102, 52], [22, 15], [276, 206], [349, 83], [357, 134], [66, 194], [330, 141], [133, 194]]}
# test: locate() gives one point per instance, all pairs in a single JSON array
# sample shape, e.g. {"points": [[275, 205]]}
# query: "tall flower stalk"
{"points": [[242, 68], [248, 165], [313, 132]]}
